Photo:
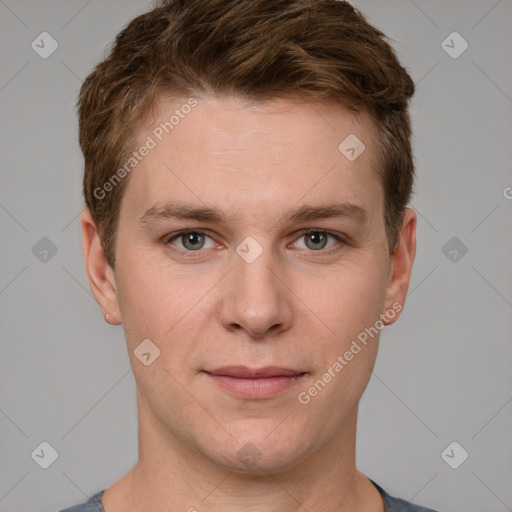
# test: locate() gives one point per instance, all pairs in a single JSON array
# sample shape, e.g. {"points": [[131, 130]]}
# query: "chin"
{"points": [[259, 455]]}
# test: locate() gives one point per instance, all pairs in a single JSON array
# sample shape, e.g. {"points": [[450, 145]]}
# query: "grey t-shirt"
{"points": [[390, 504]]}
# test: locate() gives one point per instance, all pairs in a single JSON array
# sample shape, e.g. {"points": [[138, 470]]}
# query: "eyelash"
{"points": [[190, 254]]}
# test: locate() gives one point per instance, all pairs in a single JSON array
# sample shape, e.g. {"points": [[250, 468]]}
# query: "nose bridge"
{"points": [[255, 298]]}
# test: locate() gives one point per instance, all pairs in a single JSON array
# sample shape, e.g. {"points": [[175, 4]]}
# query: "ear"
{"points": [[100, 275], [401, 268]]}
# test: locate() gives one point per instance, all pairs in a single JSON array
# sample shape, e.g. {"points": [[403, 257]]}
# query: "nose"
{"points": [[255, 297]]}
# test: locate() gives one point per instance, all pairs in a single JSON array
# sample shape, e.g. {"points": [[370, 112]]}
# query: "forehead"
{"points": [[254, 158]]}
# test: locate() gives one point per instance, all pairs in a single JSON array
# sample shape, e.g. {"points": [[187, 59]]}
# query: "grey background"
{"points": [[443, 371]]}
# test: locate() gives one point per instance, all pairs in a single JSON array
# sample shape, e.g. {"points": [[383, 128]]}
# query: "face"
{"points": [[252, 253]]}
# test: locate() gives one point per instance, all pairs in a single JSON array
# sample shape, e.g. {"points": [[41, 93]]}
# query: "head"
{"points": [[248, 124]]}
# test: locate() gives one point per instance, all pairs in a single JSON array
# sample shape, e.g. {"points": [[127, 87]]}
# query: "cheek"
{"points": [[149, 304], [349, 305], [168, 309], [348, 301], [346, 356]]}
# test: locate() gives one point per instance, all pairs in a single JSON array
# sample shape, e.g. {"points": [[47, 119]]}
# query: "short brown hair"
{"points": [[317, 50]]}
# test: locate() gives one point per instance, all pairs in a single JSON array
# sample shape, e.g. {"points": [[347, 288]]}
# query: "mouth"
{"points": [[255, 383]]}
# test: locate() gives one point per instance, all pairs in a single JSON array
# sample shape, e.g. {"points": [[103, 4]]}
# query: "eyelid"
{"points": [[184, 253], [172, 236], [337, 236], [178, 234]]}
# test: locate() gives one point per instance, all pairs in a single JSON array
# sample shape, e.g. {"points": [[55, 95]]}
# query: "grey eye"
{"points": [[193, 241], [316, 240]]}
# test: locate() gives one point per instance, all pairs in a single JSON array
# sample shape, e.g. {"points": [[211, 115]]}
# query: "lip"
{"points": [[254, 373], [255, 383]]}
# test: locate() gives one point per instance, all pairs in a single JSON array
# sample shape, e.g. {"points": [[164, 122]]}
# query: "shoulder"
{"points": [[393, 504], [93, 504]]}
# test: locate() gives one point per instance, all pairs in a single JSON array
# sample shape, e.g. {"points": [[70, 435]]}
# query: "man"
{"points": [[247, 172]]}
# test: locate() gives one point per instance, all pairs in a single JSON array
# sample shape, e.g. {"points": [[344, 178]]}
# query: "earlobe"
{"points": [[99, 274], [110, 319], [402, 261]]}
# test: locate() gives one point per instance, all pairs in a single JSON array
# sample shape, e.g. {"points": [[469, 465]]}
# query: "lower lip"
{"points": [[266, 387]]}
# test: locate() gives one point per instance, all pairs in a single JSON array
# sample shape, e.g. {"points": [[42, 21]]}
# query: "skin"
{"points": [[297, 305]]}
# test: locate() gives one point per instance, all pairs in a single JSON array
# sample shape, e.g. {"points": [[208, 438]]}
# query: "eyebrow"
{"points": [[170, 211]]}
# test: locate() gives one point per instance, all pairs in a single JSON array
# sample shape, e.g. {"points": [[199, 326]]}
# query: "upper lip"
{"points": [[254, 373]]}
